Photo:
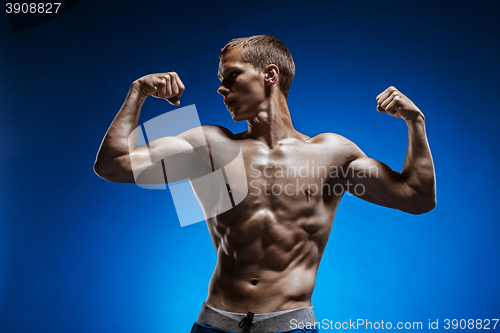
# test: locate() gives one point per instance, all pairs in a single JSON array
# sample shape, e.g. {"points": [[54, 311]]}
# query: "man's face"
{"points": [[242, 86]]}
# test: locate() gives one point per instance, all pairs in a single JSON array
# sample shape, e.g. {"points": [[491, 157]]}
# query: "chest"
{"points": [[289, 173], [300, 164]]}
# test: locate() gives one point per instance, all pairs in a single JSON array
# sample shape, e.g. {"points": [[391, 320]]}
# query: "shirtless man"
{"points": [[269, 245]]}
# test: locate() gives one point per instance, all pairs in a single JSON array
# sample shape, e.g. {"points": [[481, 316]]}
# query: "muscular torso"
{"points": [[269, 245]]}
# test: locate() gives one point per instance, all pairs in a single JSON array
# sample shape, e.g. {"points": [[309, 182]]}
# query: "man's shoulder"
{"points": [[331, 139], [217, 132], [337, 144], [201, 135]]}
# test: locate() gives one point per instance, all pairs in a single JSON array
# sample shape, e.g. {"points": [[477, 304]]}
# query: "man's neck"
{"points": [[273, 123]]}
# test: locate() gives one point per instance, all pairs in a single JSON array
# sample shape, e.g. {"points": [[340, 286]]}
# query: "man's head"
{"points": [[252, 70], [261, 51]]}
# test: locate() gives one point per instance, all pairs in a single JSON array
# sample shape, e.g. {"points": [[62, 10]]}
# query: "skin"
{"points": [[270, 245]]}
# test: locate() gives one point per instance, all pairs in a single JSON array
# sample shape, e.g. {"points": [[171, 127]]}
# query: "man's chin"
{"points": [[236, 116]]}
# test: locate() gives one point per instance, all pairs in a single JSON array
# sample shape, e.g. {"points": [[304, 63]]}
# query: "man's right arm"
{"points": [[118, 158]]}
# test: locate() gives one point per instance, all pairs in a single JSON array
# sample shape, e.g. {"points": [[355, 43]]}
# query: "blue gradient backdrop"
{"points": [[79, 254]]}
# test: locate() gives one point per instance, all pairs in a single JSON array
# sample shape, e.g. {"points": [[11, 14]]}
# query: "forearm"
{"points": [[418, 169], [116, 141]]}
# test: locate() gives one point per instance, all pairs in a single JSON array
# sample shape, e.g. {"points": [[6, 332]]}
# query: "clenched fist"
{"points": [[398, 105], [162, 85]]}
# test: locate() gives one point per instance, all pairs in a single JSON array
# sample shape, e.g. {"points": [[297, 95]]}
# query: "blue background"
{"points": [[79, 254]]}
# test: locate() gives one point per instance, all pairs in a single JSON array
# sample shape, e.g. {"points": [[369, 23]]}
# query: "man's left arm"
{"points": [[413, 190]]}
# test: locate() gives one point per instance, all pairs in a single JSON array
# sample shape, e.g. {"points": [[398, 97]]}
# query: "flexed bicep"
{"points": [[413, 189], [374, 181], [170, 159]]}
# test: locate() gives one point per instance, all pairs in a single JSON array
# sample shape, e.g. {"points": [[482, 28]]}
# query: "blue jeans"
{"points": [[197, 328]]}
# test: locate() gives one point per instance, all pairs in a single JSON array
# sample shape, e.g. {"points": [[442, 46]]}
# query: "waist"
{"points": [[261, 291], [262, 322]]}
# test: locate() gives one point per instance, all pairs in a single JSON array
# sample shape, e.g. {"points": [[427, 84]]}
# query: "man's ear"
{"points": [[271, 74]]}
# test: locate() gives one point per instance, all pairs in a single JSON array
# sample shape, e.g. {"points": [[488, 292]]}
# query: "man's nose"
{"points": [[223, 90]]}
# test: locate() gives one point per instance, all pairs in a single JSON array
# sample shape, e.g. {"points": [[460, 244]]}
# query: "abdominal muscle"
{"points": [[268, 262]]}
